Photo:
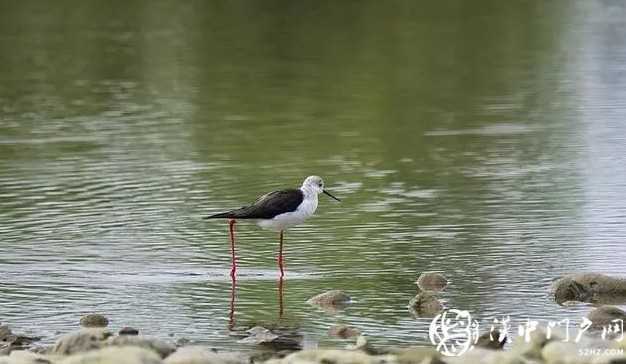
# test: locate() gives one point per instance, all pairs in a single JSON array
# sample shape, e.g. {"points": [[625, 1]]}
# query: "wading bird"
{"points": [[278, 211]]}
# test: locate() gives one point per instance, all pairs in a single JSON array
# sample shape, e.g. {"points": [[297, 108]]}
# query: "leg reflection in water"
{"points": [[281, 306], [233, 295], [233, 292]]}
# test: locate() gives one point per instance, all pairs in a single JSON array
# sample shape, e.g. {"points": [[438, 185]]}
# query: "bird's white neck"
{"points": [[309, 193]]}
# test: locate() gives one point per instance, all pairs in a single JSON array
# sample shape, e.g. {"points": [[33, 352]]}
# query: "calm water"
{"points": [[487, 143]]}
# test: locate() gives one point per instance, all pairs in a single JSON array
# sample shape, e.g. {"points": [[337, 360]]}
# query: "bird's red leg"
{"points": [[281, 305], [231, 313], [280, 256], [233, 262]]}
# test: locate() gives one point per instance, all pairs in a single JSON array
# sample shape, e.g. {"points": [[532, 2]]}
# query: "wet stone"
{"points": [[589, 287], [491, 340], [160, 347], [431, 281], [94, 320], [80, 341], [128, 331], [604, 316], [331, 298], [425, 304], [343, 331]]}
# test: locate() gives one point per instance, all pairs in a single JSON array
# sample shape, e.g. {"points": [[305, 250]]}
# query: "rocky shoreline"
{"points": [[93, 343]]}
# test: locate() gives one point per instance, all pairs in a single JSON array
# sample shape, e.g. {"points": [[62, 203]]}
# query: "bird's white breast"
{"points": [[289, 219]]}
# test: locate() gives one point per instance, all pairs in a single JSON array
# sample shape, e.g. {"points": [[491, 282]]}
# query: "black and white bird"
{"points": [[278, 211]]}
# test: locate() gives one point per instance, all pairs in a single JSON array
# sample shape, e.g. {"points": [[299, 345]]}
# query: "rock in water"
{"points": [[425, 304], [589, 287], [431, 281], [276, 340], [343, 331], [94, 320], [330, 298], [80, 341], [5, 331], [128, 331], [604, 316], [491, 340]]}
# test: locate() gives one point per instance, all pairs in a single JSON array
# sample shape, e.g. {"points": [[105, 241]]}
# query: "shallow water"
{"points": [[487, 143]]}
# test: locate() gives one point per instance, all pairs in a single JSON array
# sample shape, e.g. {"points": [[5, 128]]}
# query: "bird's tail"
{"points": [[242, 213], [221, 215]]}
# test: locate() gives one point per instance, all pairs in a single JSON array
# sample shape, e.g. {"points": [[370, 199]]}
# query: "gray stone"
{"points": [[80, 341], [24, 357], [114, 355], [94, 320], [604, 315], [418, 355], [491, 340], [559, 352], [332, 356], [330, 298], [128, 331], [431, 281], [485, 356], [536, 341], [160, 347], [589, 287], [343, 331], [425, 304], [204, 355]]}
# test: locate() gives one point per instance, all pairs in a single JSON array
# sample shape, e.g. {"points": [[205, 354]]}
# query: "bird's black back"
{"points": [[267, 206]]}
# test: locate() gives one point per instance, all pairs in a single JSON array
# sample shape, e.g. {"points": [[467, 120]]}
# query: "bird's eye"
{"points": [[321, 184]]}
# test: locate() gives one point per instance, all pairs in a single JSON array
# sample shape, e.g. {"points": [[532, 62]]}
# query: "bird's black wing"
{"points": [[267, 206]]}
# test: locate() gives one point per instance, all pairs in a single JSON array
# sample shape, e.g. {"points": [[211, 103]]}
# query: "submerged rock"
{"points": [[160, 347], [589, 287], [332, 298], [604, 316], [364, 345], [4, 332], [94, 320], [425, 304], [114, 355], [204, 355], [431, 281], [277, 339], [491, 340], [128, 331], [343, 331], [10, 341], [80, 341]]}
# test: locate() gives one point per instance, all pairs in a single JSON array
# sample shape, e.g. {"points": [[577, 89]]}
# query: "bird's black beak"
{"points": [[328, 193]]}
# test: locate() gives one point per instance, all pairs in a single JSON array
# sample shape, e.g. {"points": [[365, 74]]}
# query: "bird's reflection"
{"points": [[233, 292], [233, 295]]}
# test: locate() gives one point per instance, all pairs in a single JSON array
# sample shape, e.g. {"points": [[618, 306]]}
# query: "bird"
{"points": [[278, 211]]}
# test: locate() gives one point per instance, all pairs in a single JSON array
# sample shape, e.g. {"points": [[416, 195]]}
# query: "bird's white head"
{"points": [[315, 184]]}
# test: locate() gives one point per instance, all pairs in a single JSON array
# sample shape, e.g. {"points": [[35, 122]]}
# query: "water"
{"points": [[485, 142]]}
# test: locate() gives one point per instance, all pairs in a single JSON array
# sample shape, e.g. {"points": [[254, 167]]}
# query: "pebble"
{"points": [[128, 331], [431, 281], [331, 298], [94, 320]]}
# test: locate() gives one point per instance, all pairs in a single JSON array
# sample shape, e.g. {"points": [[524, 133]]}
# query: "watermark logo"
{"points": [[454, 332]]}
